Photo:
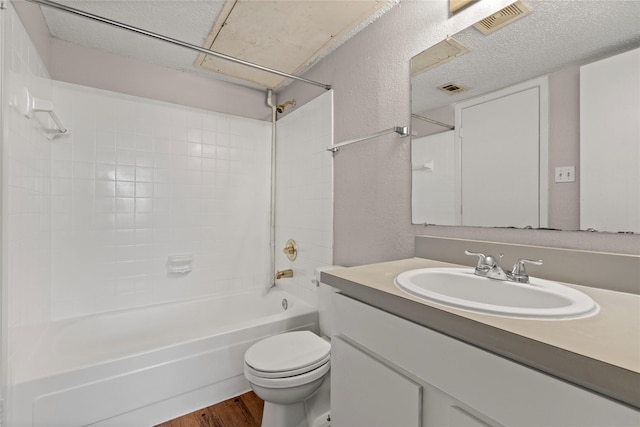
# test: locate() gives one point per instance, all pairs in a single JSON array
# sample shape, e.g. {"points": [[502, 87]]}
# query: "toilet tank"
{"points": [[324, 301]]}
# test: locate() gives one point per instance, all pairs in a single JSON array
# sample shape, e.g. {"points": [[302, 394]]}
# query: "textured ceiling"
{"points": [[283, 35], [191, 21], [555, 35], [186, 20]]}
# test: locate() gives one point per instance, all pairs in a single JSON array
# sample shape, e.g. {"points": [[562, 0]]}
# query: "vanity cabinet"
{"points": [[387, 371]]}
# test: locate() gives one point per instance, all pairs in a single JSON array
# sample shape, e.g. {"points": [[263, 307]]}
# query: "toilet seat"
{"points": [[285, 374], [287, 355], [287, 382]]}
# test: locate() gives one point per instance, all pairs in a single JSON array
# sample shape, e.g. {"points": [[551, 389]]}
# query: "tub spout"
{"points": [[284, 273]]}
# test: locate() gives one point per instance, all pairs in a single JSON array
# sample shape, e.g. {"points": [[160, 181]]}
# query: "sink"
{"points": [[461, 288]]}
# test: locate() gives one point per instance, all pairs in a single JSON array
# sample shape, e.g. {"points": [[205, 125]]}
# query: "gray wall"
{"points": [[370, 75]]}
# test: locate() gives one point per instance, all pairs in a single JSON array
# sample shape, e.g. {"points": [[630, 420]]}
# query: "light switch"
{"points": [[565, 174]]}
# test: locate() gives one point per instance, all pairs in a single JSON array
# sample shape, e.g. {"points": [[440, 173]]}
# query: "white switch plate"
{"points": [[565, 174]]}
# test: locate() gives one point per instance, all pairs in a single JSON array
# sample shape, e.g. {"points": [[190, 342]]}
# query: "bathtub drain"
{"points": [[285, 303]]}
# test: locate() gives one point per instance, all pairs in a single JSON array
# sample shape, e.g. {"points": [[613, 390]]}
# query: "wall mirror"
{"points": [[551, 41]]}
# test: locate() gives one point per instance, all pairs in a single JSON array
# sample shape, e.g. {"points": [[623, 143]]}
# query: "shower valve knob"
{"points": [[291, 250]]}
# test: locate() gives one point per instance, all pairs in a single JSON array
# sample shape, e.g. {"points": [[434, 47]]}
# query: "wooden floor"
{"points": [[241, 411]]}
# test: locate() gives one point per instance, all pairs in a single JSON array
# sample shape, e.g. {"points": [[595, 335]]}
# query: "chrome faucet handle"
{"points": [[519, 273], [488, 266], [481, 259]]}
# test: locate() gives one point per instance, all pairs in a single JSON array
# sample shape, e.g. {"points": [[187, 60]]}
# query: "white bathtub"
{"points": [[144, 366]]}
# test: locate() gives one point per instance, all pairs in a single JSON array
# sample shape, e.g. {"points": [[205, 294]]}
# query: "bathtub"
{"points": [[144, 366]]}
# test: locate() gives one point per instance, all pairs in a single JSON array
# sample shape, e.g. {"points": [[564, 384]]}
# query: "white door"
{"points": [[502, 170]]}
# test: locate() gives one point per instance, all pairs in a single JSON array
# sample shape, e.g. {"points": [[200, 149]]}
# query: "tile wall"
{"points": [[92, 216], [304, 196], [139, 180], [26, 181]]}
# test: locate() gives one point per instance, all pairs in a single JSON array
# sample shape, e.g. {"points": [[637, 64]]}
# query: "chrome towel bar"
{"points": [[401, 130]]}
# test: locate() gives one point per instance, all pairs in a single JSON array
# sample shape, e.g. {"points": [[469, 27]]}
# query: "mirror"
{"points": [[554, 39]]}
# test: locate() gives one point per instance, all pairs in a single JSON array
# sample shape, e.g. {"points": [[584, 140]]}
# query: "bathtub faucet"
{"points": [[284, 274]]}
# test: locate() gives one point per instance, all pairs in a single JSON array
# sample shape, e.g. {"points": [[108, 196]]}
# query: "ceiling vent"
{"points": [[451, 87], [503, 17], [437, 54]]}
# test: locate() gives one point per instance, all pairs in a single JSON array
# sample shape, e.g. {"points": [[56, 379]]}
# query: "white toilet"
{"points": [[290, 372]]}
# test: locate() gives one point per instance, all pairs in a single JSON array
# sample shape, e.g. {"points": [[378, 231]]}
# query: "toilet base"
{"points": [[317, 406], [277, 415], [321, 421], [312, 412]]}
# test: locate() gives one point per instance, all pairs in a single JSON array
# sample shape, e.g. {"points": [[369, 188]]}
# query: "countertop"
{"points": [[600, 353]]}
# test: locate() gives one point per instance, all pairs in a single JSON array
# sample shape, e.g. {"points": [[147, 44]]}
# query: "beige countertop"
{"points": [[600, 353]]}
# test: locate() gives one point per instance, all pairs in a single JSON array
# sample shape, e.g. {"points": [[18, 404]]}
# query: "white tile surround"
{"points": [[26, 183], [304, 193], [138, 180], [92, 216], [26, 202]]}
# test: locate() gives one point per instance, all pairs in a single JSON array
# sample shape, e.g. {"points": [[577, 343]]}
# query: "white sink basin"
{"points": [[460, 288]]}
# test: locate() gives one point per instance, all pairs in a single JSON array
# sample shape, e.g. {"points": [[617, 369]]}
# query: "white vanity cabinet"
{"points": [[390, 372]]}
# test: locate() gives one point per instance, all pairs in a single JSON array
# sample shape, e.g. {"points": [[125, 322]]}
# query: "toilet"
{"points": [[290, 372]]}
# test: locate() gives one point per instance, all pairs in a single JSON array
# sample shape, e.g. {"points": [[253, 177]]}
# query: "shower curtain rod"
{"points": [[156, 36]]}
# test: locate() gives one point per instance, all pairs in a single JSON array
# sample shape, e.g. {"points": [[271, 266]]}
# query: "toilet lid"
{"points": [[287, 352]]}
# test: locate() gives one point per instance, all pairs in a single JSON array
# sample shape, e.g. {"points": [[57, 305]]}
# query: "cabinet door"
{"points": [[367, 393]]}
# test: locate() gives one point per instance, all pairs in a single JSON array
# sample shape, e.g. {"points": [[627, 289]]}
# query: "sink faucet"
{"points": [[489, 267]]}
